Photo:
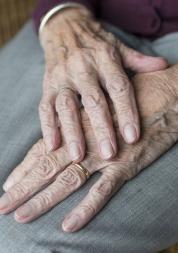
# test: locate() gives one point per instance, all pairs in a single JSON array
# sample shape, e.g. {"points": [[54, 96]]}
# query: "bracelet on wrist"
{"points": [[55, 10]]}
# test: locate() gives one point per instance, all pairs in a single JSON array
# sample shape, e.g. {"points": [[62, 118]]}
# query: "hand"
{"points": [[82, 59], [44, 179]]}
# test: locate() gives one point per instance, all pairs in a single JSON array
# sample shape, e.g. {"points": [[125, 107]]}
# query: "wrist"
{"points": [[60, 22], [74, 13], [64, 12], [62, 18], [70, 14]]}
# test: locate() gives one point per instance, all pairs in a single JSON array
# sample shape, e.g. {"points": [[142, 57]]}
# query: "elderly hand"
{"points": [[82, 59], [44, 179]]}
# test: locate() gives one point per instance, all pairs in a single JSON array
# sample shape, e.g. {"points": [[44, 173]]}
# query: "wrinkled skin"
{"points": [[55, 175], [82, 58]]}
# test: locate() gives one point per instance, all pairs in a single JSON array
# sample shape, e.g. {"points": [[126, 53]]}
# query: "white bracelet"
{"points": [[56, 9]]}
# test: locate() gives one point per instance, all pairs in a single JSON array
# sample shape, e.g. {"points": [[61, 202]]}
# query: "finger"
{"points": [[65, 184], [86, 83], [95, 200], [98, 112], [139, 62], [36, 179], [30, 161], [122, 94], [49, 124], [69, 116], [131, 58]]}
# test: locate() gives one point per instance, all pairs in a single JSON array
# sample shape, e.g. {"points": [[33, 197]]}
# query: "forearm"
{"points": [[44, 6]]}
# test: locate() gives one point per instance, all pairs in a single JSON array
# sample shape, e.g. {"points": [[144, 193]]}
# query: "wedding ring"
{"points": [[83, 170]]}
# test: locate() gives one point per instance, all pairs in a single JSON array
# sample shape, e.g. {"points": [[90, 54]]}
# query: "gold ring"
{"points": [[84, 170]]}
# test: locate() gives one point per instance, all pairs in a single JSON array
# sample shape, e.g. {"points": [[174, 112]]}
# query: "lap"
{"points": [[141, 217]]}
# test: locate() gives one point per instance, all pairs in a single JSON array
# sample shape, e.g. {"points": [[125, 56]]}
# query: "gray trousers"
{"points": [[141, 218]]}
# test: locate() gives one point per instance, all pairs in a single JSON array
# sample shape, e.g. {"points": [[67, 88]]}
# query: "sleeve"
{"points": [[43, 6]]}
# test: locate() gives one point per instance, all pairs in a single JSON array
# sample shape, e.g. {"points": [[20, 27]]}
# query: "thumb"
{"points": [[139, 62]]}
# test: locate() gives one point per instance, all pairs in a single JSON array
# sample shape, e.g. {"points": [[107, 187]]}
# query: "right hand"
{"points": [[44, 179], [82, 58]]}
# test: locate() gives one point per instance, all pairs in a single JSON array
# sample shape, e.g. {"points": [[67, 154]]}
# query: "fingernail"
{"points": [[75, 152], [7, 185], [106, 149], [70, 223], [24, 212], [4, 202], [130, 133]]}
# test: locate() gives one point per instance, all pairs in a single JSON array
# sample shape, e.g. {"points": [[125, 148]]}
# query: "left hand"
{"points": [[57, 178]]}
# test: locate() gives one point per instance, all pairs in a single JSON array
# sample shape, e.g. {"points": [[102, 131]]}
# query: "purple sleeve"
{"points": [[43, 6]]}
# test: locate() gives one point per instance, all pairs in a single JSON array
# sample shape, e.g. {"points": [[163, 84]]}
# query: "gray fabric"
{"points": [[141, 217]]}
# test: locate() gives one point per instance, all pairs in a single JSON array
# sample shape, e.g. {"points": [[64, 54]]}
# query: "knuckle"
{"points": [[65, 100], [103, 190], [70, 178], [92, 98], [44, 107], [126, 111], [88, 209], [43, 201], [118, 85], [114, 55], [47, 168], [127, 173], [38, 149], [84, 76], [46, 113], [119, 176], [68, 114], [18, 192]]}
